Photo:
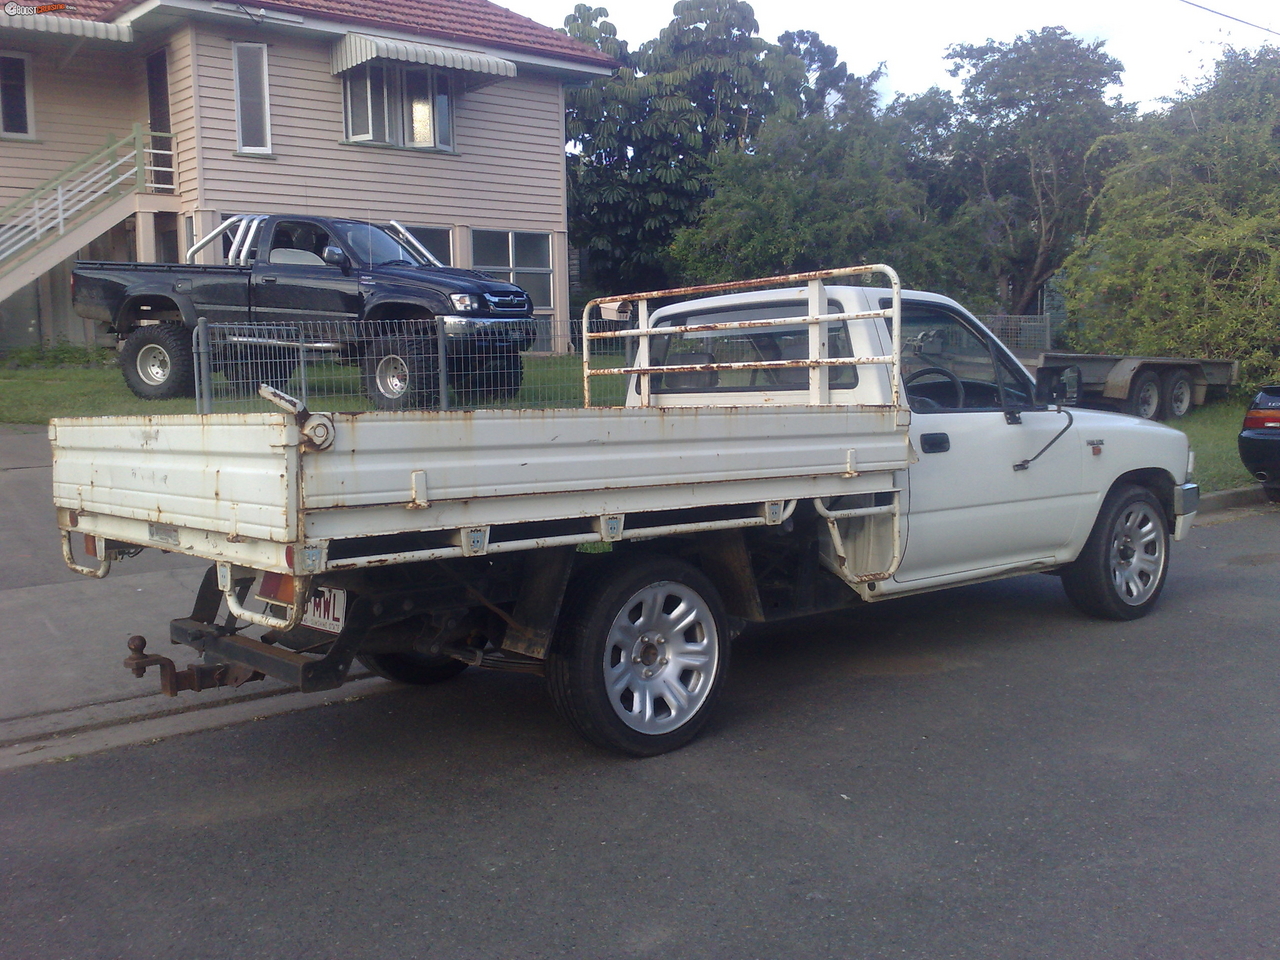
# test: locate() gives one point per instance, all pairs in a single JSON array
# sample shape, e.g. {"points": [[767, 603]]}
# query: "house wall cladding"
{"points": [[64, 132], [507, 171]]}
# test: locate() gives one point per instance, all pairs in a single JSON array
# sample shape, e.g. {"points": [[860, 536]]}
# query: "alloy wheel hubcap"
{"points": [[1137, 554], [392, 377], [661, 658], [153, 364]]}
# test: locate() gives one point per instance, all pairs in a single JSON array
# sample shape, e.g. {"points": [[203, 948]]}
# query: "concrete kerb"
{"points": [[1227, 499]]}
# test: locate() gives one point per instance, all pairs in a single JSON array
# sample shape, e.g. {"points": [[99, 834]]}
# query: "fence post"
{"points": [[442, 359], [204, 372]]}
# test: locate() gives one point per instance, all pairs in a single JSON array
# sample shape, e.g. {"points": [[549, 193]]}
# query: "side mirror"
{"points": [[334, 257], [1060, 385]]}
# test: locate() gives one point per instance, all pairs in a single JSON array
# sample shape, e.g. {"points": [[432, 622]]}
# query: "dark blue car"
{"points": [[1260, 440]]}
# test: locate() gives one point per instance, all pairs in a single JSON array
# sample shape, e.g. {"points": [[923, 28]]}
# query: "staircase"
{"points": [[53, 221]]}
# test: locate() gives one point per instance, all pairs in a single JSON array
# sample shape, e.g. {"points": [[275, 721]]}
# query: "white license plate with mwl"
{"points": [[326, 610]]}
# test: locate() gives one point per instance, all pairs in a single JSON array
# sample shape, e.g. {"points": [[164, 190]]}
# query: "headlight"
{"points": [[465, 302]]}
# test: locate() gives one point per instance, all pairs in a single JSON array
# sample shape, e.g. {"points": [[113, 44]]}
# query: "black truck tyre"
{"points": [[252, 364], [1121, 570], [489, 376], [157, 362], [400, 373], [638, 662]]}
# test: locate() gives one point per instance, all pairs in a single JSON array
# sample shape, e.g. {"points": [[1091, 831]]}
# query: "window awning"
{"points": [[356, 48], [69, 26]]}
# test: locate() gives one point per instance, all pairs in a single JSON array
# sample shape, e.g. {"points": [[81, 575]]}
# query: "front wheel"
{"points": [[400, 373], [1121, 570], [157, 362], [640, 660]]}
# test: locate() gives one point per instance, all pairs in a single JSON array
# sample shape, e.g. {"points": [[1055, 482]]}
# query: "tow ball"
{"points": [[196, 677]]}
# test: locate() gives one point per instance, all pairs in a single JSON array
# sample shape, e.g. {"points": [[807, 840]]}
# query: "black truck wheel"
{"points": [[1121, 570], [638, 663], [489, 376], [1178, 393], [252, 364], [157, 362], [400, 373]]}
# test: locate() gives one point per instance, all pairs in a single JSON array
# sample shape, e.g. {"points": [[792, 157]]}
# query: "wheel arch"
{"points": [[1159, 481], [402, 308], [150, 305]]}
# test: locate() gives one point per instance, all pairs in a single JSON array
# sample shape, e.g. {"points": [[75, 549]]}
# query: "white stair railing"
{"points": [[139, 162]]}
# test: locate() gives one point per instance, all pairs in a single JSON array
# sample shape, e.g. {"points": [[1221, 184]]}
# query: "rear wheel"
{"points": [[638, 665], [1121, 570], [1178, 393], [157, 362], [400, 373], [419, 669]]}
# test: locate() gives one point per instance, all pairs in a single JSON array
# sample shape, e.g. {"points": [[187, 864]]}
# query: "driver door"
{"points": [[973, 418], [292, 285]]}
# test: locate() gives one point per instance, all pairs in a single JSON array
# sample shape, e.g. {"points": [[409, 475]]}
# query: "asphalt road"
{"points": [[981, 773]]}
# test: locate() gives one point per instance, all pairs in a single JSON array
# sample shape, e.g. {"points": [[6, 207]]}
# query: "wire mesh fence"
{"points": [[1030, 334], [384, 365]]}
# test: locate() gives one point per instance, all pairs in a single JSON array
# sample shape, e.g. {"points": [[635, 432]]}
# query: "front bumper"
{"points": [[518, 331], [1186, 502]]}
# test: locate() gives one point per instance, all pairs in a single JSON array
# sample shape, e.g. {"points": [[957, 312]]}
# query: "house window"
{"points": [[402, 105], [253, 112], [15, 94], [437, 240], [523, 259]]}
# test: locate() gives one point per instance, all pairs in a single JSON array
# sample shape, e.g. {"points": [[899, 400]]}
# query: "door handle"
{"points": [[934, 443], [268, 279]]}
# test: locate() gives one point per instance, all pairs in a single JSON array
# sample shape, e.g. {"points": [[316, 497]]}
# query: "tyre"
{"points": [[1272, 492], [1121, 570], [1177, 393], [400, 373], [253, 364], [157, 362], [419, 669], [638, 664], [489, 376], [1144, 396]]}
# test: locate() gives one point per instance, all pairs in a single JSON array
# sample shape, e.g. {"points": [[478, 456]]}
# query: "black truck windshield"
{"points": [[375, 246]]}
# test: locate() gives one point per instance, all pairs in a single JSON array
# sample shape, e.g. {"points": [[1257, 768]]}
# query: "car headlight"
{"points": [[465, 302]]}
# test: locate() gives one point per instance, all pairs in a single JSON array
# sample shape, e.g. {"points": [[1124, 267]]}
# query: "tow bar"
{"points": [[197, 677]]}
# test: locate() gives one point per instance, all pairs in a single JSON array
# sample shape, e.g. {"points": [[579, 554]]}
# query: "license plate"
{"points": [[326, 610]]}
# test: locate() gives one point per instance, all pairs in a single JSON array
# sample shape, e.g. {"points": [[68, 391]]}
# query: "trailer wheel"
{"points": [[400, 373], [1144, 396], [1178, 393], [419, 669], [638, 665], [157, 362], [1121, 570]]}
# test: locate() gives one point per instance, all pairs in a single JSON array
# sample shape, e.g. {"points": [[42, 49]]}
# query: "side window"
{"points": [[253, 111], [15, 94], [947, 365], [746, 346], [298, 242]]}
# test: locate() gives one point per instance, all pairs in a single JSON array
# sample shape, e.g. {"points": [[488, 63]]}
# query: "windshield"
{"points": [[375, 246]]}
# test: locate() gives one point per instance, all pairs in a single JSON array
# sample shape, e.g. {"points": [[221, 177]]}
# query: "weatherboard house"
{"points": [[129, 129]]}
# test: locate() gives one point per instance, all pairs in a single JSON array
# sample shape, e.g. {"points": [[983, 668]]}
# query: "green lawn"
{"points": [[34, 395], [1212, 430]]}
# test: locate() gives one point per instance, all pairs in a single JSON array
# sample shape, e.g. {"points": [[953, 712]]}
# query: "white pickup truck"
{"points": [[804, 444]]}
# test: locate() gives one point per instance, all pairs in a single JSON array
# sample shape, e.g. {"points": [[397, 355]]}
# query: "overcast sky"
{"points": [[1163, 44]]}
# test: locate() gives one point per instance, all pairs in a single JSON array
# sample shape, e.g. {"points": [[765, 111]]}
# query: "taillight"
{"points": [[277, 588], [1261, 419]]}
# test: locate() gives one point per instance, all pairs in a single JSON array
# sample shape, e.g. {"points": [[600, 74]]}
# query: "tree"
{"points": [[1183, 257], [1031, 110], [643, 141]]}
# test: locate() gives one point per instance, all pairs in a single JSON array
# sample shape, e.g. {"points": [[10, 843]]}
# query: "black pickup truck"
{"points": [[372, 293]]}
